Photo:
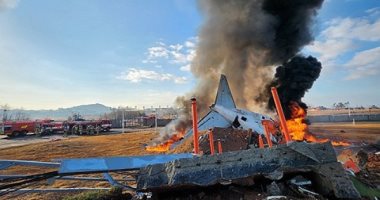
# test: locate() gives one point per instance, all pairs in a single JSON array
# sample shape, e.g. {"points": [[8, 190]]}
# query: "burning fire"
{"points": [[340, 143], [165, 146], [298, 129]]}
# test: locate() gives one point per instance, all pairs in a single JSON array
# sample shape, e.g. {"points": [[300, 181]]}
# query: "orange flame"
{"points": [[165, 146], [340, 143], [296, 125], [299, 130]]}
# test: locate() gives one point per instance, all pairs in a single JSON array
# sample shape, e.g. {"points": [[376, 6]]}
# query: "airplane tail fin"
{"points": [[224, 95]]}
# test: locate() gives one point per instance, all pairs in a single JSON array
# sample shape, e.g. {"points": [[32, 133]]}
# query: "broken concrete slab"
{"points": [[229, 167]]}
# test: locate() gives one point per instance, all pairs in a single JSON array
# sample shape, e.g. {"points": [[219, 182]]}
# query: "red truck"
{"points": [[19, 128]]}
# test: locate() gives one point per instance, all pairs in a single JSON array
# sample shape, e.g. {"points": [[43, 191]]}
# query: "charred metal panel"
{"points": [[89, 165]]}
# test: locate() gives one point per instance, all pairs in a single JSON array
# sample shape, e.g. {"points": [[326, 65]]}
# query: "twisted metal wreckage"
{"points": [[163, 173]]}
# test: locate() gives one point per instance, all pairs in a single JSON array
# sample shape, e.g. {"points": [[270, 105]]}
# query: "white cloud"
{"points": [[331, 48], [178, 57], [373, 11], [364, 63], [353, 28], [189, 44], [172, 53], [343, 36], [180, 80], [137, 75], [176, 47], [185, 68], [158, 52], [8, 4]]}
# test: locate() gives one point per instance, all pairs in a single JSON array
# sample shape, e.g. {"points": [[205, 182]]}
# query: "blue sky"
{"points": [[138, 52]]}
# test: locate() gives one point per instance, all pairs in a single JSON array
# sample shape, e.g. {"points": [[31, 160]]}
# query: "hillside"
{"points": [[87, 111]]}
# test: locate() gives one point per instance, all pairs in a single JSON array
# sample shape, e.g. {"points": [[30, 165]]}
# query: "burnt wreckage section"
{"points": [[276, 164]]}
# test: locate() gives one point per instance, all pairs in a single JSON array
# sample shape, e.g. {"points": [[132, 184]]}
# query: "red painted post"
{"points": [[267, 133], [220, 147], [211, 140], [195, 124], [261, 143], [281, 115]]}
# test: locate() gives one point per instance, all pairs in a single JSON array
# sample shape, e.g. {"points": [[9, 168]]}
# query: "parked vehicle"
{"points": [[46, 127], [19, 128]]}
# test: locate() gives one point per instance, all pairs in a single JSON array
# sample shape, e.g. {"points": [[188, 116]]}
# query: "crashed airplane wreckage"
{"points": [[316, 161], [182, 176]]}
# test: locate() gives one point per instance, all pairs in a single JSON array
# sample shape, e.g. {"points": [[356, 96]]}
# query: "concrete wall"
{"points": [[344, 118]]}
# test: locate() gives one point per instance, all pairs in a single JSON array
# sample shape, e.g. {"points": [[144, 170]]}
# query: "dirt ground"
{"points": [[86, 146], [30, 138], [133, 144], [80, 147], [6, 142], [368, 132]]}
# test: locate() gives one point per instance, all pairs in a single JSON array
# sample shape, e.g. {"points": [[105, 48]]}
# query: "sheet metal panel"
{"points": [[4, 164], [45, 190], [106, 164]]}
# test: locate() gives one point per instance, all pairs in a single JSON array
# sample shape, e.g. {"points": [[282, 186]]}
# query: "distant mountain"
{"points": [[90, 111]]}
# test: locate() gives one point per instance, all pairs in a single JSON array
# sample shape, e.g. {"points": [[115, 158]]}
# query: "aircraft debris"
{"points": [[207, 170]]}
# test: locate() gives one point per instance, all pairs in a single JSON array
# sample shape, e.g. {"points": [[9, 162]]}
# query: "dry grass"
{"points": [[126, 144], [86, 146], [360, 132]]}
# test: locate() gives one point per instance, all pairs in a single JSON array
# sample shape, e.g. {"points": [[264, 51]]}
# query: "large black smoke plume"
{"points": [[292, 80], [243, 39]]}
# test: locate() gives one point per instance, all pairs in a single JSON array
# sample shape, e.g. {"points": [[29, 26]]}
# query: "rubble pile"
{"points": [[369, 163], [298, 169], [230, 139]]}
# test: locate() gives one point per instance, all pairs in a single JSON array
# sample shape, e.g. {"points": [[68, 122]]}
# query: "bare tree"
{"points": [[341, 105], [5, 115], [20, 116]]}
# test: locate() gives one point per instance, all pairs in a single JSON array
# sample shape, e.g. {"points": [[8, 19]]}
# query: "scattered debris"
{"points": [[273, 189], [370, 168], [238, 167], [350, 165], [276, 197], [231, 139], [300, 181]]}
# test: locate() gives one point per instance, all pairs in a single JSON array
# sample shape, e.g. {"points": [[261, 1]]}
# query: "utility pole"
{"points": [[3, 120], [349, 111], [155, 121], [122, 124]]}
